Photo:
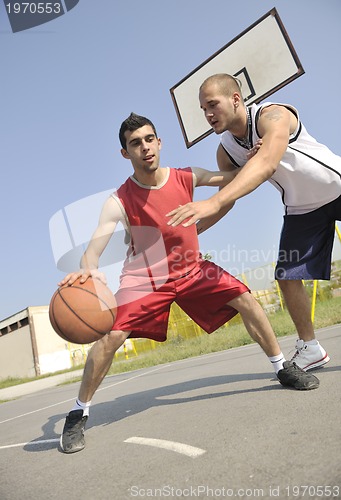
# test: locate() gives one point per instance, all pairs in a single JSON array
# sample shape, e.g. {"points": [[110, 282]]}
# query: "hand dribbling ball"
{"points": [[82, 313]]}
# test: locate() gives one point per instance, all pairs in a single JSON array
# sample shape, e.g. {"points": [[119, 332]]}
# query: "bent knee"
{"points": [[115, 338], [245, 300]]}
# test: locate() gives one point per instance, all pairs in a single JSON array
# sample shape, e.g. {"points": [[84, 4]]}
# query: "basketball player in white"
{"points": [[268, 142]]}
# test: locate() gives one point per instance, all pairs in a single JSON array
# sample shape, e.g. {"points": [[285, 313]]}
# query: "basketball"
{"points": [[82, 313]]}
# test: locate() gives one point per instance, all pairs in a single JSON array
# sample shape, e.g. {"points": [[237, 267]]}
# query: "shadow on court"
{"points": [[132, 404]]}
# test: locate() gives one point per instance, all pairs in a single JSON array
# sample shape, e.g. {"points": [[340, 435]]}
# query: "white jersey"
{"points": [[308, 175]]}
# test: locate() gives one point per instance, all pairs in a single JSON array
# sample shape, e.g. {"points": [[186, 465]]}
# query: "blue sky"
{"points": [[66, 86]]}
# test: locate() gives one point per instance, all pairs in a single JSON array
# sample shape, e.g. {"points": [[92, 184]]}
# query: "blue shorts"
{"points": [[306, 244]]}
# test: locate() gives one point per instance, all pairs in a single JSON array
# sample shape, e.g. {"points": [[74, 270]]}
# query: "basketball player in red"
{"points": [[308, 177], [163, 265]]}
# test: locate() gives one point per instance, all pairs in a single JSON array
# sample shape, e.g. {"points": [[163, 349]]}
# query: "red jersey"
{"points": [[166, 252]]}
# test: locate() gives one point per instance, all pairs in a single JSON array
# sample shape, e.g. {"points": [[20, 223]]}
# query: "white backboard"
{"points": [[262, 57]]}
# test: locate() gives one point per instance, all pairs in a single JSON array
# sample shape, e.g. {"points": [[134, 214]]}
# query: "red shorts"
{"points": [[203, 294]]}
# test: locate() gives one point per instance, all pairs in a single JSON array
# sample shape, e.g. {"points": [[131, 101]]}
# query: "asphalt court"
{"points": [[214, 426]]}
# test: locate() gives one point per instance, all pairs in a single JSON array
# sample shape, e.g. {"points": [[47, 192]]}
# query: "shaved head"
{"points": [[227, 84]]}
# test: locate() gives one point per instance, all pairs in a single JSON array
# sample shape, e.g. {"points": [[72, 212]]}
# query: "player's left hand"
{"points": [[193, 211], [253, 151]]}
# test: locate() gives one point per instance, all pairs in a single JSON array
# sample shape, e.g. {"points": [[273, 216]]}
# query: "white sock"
{"points": [[311, 342], [277, 362], [79, 405]]}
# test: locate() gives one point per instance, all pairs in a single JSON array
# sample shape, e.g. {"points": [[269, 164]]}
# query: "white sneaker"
{"points": [[308, 357]]}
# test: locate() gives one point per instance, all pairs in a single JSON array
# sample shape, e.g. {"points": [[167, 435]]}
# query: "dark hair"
{"points": [[133, 122]]}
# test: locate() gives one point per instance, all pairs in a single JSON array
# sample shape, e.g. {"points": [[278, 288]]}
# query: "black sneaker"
{"points": [[295, 377], [72, 439]]}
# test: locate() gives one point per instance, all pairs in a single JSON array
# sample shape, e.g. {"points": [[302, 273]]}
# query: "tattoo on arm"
{"points": [[274, 114]]}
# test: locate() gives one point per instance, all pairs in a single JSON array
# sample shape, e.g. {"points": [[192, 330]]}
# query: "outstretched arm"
{"points": [[203, 177], [207, 222], [109, 217], [275, 126], [225, 165]]}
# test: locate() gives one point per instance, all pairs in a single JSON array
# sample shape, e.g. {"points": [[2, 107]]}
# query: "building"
{"points": [[29, 346]]}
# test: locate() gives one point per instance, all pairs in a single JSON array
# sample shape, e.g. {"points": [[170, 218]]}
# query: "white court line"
{"points": [[183, 449], [72, 399], [29, 443]]}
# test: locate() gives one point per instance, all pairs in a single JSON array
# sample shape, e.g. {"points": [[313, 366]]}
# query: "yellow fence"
{"points": [[182, 326]]}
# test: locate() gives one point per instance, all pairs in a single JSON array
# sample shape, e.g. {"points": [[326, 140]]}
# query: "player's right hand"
{"points": [[83, 275]]}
